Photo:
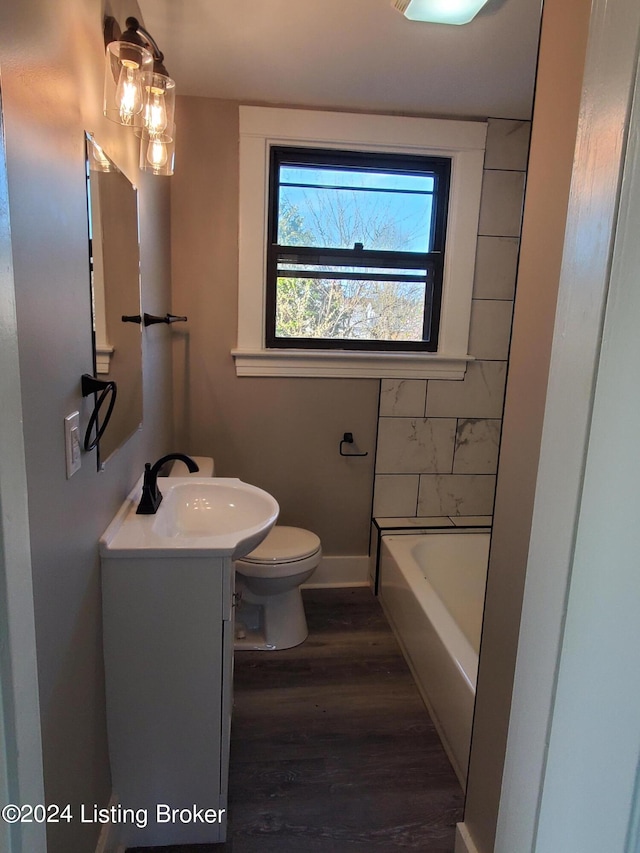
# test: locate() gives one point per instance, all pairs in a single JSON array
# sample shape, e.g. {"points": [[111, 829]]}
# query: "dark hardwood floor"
{"points": [[332, 749]]}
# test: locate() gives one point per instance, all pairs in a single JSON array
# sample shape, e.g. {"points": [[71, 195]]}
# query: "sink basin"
{"points": [[199, 516], [214, 507]]}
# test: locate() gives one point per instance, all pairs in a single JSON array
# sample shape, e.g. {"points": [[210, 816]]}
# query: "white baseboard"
{"points": [[464, 842], [109, 839], [340, 571]]}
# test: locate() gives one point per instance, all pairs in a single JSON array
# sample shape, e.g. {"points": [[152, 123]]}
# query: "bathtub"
{"points": [[432, 591]]}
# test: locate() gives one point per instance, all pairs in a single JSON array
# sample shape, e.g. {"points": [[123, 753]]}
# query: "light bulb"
{"points": [[129, 92], [155, 119], [157, 153]]}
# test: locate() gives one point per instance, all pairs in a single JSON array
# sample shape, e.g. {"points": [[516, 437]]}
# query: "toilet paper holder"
{"points": [[347, 438]]}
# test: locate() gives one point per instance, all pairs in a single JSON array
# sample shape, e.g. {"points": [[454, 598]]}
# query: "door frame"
{"points": [[552, 709], [21, 771]]}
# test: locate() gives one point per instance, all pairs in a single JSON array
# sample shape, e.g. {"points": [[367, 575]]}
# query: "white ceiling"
{"points": [[350, 54]]}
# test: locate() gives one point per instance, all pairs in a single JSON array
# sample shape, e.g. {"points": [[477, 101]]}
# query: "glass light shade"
{"points": [[126, 65], [157, 153], [440, 11], [159, 103]]}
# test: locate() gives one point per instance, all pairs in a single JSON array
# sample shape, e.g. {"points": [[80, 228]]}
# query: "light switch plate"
{"points": [[72, 443]]}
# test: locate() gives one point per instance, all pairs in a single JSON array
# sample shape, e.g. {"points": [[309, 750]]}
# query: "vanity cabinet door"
{"points": [[165, 659], [228, 632]]}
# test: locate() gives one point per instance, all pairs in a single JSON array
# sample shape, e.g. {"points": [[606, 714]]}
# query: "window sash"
{"points": [[439, 168], [429, 265], [357, 258]]}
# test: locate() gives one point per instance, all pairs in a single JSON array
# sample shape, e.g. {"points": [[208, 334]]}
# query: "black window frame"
{"points": [[432, 262]]}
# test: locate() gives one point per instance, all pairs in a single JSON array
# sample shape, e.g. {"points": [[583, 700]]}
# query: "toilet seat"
{"points": [[284, 545], [285, 551]]}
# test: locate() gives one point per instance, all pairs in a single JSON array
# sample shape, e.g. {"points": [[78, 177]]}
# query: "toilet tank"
{"points": [[205, 465]]}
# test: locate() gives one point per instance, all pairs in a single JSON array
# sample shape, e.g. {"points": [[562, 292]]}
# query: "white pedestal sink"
{"points": [[167, 582]]}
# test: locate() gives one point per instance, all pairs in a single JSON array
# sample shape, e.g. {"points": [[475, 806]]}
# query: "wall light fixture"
{"points": [[157, 152], [440, 11], [139, 93]]}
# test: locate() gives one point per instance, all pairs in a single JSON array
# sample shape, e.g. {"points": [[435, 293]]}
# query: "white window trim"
{"points": [[462, 141]]}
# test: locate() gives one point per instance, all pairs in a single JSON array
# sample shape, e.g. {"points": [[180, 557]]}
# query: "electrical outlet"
{"points": [[72, 443]]}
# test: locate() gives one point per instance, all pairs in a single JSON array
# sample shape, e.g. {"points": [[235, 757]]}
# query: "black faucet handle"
{"points": [[151, 495]]}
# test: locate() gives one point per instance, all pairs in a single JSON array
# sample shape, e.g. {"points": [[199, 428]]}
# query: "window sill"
{"points": [[104, 354], [349, 365]]}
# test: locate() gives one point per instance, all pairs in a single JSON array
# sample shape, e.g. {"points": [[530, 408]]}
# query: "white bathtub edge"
{"points": [[464, 842], [436, 650], [460, 773]]}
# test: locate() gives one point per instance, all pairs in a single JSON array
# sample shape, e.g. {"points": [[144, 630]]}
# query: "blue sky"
{"points": [[364, 201]]}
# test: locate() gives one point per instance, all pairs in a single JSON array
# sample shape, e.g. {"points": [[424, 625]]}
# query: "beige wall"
{"points": [[51, 62], [563, 43], [280, 434]]}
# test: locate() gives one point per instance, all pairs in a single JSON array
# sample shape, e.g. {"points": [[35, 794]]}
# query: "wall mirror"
{"points": [[114, 252]]}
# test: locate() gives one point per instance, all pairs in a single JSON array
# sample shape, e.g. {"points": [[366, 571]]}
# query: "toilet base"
{"points": [[270, 623]]}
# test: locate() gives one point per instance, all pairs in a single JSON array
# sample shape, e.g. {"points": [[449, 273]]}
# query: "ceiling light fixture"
{"points": [[440, 11], [139, 93]]}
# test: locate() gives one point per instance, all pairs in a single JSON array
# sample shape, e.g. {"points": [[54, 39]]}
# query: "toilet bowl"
{"points": [[269, 612]]}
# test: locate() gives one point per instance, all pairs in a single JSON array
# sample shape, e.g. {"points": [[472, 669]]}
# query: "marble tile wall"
{"points": [[438, 439]]}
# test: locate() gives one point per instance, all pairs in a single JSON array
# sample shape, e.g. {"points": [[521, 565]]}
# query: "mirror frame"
{"points": [[114, 275]]}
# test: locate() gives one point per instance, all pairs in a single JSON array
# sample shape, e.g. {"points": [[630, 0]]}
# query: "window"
{"points": [[355, 250], [381, 293]]}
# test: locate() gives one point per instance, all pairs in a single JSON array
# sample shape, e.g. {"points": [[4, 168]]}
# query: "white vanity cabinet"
{"points": [[168, 653], [167, 587]]}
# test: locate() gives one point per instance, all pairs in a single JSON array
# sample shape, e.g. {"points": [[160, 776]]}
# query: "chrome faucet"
{"points": [[151, 496]]}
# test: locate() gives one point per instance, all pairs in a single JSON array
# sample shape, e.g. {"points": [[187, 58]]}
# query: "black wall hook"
{"points": [[348, 439]]}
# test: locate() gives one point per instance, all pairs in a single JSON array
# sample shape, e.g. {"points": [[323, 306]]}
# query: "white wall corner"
{"points": [[109, 839], [464, 842]]}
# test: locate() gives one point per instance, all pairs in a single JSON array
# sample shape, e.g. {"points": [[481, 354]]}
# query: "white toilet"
{"points": [[269, 613]]}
